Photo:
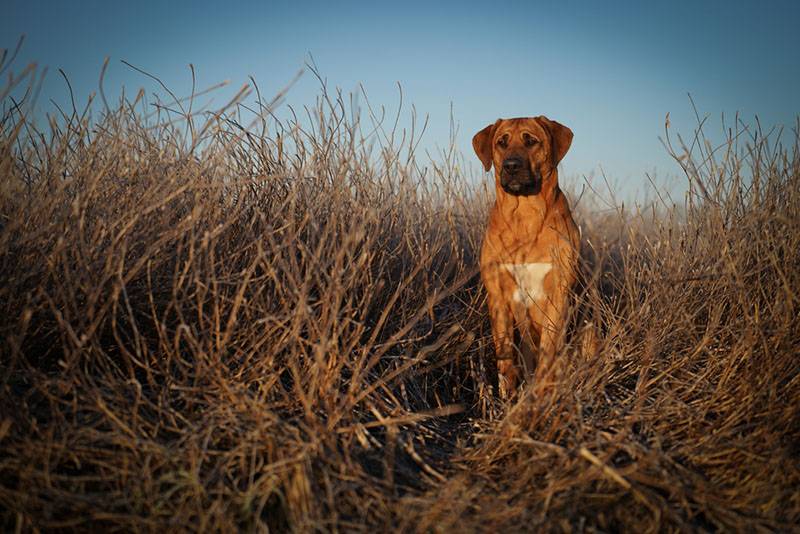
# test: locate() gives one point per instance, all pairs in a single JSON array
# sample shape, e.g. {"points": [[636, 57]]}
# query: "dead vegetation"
{"points": [[222, 322]]}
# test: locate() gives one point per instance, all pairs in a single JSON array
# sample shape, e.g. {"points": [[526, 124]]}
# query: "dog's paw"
{"points": [[507, 379], [502, 386]]}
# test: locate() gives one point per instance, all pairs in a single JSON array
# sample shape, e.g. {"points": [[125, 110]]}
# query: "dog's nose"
{"points": [[512, 165]]}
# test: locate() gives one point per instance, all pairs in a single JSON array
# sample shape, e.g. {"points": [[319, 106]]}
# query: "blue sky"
{"points": [[609, 70]]}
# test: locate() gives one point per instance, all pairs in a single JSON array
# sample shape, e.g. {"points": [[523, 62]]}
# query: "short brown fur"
{"points": [[531, 227]]}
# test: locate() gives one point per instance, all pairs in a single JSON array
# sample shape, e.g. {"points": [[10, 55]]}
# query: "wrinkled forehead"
{"points": [[518, 126]]}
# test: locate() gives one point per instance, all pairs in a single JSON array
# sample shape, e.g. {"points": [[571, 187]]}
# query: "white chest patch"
{"points": [[530, 280]]}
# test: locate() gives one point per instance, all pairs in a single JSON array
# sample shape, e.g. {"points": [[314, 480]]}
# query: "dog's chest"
{"points": [[529, 280]]}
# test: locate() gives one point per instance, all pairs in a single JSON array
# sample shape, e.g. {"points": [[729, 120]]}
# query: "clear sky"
{"points": [[609, 70]]}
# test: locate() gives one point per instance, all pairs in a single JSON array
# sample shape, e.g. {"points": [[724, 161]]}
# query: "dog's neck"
{"points": [[525, 214]]}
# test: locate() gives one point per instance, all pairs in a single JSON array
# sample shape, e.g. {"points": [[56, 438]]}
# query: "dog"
{"points": [[529, 255]]}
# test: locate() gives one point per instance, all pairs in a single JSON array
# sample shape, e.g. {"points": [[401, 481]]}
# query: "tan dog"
{"points": [[530, 251]]}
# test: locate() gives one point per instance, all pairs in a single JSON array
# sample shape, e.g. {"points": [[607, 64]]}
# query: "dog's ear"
{"points": [[482, 143], [561, 137]]}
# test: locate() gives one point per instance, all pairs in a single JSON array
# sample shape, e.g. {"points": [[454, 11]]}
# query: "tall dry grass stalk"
{"points": [[222, 321]]}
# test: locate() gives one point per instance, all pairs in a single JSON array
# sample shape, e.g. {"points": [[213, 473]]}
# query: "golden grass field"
{"points": [[210, 322]]}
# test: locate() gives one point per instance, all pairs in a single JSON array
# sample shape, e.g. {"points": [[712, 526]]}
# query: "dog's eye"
{"points": [[529, 140], [502, 142]]}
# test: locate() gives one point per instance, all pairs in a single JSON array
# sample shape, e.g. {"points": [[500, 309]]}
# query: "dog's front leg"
{"points": [[503, 335], [551, 337]]}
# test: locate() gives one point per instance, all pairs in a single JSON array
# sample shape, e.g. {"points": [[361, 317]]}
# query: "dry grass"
{"points": [[213, 325]]}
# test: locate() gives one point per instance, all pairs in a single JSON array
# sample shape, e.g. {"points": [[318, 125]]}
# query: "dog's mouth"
{"points": [[522, 184]]}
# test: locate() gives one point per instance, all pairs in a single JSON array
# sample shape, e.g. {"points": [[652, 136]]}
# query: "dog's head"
{"points": [[524, 151]]}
